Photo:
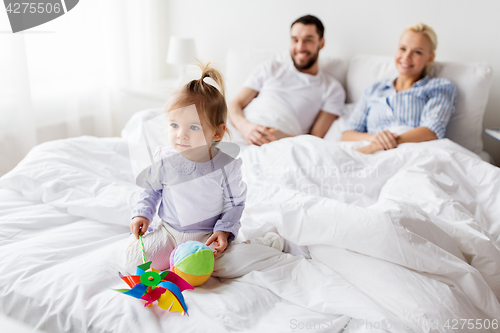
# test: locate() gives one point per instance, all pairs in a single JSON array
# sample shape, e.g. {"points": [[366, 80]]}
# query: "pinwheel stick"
{"points": [[142, 247]]}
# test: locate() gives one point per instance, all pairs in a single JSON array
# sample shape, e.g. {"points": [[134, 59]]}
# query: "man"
{"points": [[315, 97]]}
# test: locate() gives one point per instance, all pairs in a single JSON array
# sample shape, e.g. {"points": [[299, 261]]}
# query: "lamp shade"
{"points": [[181, 51]]}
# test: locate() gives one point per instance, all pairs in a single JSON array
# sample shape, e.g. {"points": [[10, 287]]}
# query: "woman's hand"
{"points": [[220, 240], [385, 139], [370, 149], [138, 225]]}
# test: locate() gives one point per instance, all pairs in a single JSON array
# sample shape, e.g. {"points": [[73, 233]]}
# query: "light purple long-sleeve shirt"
{"points": [[193, 196]]}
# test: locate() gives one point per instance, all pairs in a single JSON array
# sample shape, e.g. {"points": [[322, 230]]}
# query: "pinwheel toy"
{"points": [[152, 285]]}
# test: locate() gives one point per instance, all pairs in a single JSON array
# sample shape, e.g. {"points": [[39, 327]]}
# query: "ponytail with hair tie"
{"points": [[200, 86], [210, 72], [209, 99]]}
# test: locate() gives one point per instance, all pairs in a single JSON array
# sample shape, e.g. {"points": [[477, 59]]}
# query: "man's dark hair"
{"points": [[309, 19]]}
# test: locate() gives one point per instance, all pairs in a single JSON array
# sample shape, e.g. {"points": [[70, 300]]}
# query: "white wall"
{"points": [[468, 30]]}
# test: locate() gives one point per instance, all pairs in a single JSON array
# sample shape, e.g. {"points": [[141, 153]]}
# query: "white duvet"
{"points": [[405, 240]]}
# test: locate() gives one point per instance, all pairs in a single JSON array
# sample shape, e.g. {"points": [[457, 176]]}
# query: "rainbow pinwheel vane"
{"points": [[165, 287]]}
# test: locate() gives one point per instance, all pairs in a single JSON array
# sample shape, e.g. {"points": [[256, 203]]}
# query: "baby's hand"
{"points": [[138, 225], [220, 240]]}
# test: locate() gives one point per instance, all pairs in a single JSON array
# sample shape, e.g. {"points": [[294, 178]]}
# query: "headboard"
{"points": [[473, 81]]}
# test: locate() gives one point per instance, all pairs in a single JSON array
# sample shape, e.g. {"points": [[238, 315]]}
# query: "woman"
{"points": [[411, 101]]}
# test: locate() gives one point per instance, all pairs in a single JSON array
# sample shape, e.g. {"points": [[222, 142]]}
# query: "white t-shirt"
{"points": [[303, 94]]}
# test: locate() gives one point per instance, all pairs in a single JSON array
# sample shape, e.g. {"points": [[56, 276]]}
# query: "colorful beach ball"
{"points": [[193, 261]]}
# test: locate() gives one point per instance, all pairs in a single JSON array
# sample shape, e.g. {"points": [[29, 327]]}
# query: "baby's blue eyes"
{"points": [[193, 127]]}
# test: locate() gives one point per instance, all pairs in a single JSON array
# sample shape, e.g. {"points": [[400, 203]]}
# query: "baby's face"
{"points": [[187, 131]]}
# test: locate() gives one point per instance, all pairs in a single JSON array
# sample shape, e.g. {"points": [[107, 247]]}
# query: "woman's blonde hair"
{"points": [[209, 101], [430, 33]]}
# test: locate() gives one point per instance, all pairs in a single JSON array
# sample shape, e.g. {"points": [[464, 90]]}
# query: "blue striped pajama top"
{"points": [[429, 103]]}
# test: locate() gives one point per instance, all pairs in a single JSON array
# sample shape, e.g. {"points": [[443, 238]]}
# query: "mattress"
{"points": [[403, 240]]}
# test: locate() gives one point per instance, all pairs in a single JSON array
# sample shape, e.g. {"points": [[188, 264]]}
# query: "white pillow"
{"points": [[240, 62], [335, 131], [472, 80], [138, 119]]}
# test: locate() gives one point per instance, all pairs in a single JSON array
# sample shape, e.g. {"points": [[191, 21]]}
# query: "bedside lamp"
{"points": [[181, 52]]}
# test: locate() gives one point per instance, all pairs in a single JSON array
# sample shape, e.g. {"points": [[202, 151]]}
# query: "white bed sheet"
{"points": [[419, 245], [56, 263]]}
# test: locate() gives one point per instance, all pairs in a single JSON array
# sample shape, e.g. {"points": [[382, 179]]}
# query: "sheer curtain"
{"points": [[61, 79]]}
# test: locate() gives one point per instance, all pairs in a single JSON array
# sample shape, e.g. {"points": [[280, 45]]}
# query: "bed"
{"points": [[403, 240]]}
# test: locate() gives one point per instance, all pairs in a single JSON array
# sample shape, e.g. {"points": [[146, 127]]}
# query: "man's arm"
{"points": [[236, 106], [252, 133], [322, 124]]}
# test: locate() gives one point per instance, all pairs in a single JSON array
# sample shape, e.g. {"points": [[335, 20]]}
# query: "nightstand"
{"points": [[494, 132], [137, 97]]}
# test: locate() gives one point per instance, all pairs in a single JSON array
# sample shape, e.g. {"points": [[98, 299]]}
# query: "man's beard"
{"points": [[308, 65]]}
